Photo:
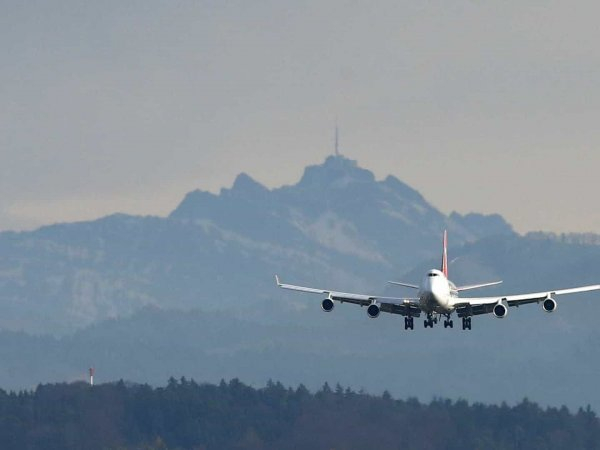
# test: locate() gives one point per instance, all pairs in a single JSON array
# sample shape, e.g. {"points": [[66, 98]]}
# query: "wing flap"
{"points": [[467, 310], [408, 309]]}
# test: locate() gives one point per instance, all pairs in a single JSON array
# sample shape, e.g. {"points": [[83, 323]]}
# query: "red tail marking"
{"points": [[445, 255]]}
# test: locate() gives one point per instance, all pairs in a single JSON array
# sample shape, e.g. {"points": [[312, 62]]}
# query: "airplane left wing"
{"points": [[483, 305], [393, 305]]}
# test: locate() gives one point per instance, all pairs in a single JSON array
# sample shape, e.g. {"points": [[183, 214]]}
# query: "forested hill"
{"points": [[186, 415]]}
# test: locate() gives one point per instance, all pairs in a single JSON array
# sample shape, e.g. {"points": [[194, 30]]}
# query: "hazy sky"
{"points": [[126, 106]]}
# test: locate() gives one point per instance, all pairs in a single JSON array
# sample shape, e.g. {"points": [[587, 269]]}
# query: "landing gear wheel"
{"points": [[409, 323], [451, 324]]}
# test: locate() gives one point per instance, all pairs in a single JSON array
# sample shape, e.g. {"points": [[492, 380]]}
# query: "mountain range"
{"points": [[193, 293], [336, 225]]}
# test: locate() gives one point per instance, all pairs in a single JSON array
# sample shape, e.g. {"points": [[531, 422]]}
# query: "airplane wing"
{"points": [[392, 305], [484, 305]]}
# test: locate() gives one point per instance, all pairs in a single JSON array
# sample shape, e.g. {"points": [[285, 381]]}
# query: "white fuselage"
{"points": [[437, 294]]}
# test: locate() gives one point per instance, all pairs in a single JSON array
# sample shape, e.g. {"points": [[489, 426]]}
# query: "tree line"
{"points": [[231, 415]]}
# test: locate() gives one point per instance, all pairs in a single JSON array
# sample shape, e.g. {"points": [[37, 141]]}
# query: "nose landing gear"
{"points": [[409, 323]]}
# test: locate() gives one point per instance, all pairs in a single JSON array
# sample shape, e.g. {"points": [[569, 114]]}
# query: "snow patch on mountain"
{"points": [[332, 232]]}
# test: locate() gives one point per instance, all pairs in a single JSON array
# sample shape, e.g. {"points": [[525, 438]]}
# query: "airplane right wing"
{"points": [[392, 305]]}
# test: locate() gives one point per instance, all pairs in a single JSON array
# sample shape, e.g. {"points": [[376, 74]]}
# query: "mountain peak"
{"points": [[335, 172], [245, 184]]}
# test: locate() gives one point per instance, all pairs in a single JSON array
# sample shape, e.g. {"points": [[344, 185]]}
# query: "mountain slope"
{"points": [[337, 225]]}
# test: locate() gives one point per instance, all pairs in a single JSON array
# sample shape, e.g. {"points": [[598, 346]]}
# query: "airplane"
{"points": [[438, 297]]}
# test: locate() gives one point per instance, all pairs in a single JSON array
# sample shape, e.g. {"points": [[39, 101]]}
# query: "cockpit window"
{"points": [[433, 274]]}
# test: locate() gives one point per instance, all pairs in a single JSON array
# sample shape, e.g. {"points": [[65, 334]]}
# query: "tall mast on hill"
{"points": [[337, 141]]}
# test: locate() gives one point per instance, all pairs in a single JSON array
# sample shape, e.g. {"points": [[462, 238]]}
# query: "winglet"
{"points": [[277, 280]]}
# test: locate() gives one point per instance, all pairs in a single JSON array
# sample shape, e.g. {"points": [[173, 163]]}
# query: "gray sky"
{"points": [[126, 106]]}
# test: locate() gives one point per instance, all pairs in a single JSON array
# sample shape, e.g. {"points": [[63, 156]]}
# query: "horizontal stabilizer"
{"points": [[476, 286], [399, 283]]}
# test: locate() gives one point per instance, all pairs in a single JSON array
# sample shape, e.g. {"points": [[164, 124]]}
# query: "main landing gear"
{"points": [[448, 323], [430, 321], [409, 323], [466, 323]]}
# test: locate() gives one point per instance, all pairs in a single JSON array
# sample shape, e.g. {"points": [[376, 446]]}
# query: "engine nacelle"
{"points": [[501, 310], [373, 311], [549, 305], [327, 305]]}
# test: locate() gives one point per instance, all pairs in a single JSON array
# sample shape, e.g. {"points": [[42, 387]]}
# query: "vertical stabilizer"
{"points": [[445, 255]]}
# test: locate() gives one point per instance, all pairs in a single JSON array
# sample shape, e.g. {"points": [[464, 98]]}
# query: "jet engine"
{"points": [[549, 305], [327, 305], [500, 310], [373, 310]]}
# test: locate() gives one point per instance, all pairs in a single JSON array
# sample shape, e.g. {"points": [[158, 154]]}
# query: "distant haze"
{"points": [[126, 106]]}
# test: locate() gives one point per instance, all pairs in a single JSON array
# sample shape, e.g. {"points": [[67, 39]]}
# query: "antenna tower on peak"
{"points": [[337, 140]]}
